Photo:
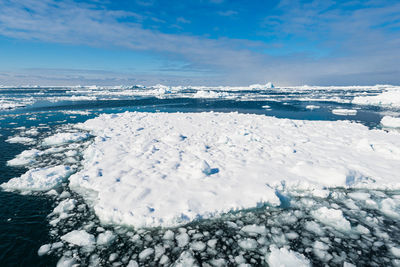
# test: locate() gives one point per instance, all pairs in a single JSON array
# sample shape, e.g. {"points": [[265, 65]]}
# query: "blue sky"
{"points": [[199, 42]]}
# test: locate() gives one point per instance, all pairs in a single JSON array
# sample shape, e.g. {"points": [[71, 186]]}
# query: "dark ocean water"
{"points": [[24, 223]]}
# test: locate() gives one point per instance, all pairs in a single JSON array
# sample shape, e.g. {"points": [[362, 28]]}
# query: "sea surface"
{"points": [[24, 218]]}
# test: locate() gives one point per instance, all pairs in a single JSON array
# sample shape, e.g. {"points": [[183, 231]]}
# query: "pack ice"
{"points": [[164, 169]]}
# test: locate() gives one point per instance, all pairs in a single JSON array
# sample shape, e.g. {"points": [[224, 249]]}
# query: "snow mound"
{"points": [[390, 98], [40, 179], [164, 169], [286, 258], [390, 122]]}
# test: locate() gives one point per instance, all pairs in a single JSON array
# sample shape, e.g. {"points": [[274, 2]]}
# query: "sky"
{"points": [[199, 42]]}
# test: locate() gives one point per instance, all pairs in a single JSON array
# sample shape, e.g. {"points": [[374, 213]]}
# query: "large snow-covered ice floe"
{"points": [[39, 179], [152, 169], [390, 122], [388, 98]]}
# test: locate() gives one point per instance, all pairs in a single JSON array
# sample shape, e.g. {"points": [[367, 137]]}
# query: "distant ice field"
{"points": [[215, 176]]}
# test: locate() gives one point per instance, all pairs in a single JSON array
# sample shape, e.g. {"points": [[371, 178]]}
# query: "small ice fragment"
{"points": [[20, 140], [79, 238], [254, 229], [182, 239], [105, 238], [146, 253], [248, 244], [198, 246], [44, 249], [132, 263], [284, 257], [65, 261], [311, 107], [344, 112], [332, 217], [395, 251], [168, 235]]}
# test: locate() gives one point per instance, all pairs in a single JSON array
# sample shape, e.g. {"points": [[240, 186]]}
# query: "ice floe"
{"points": [[344, 112], [391, 122], [388, 98], [286, 258], [39, 179], [21, 140], [146, 169], [63, 138]]}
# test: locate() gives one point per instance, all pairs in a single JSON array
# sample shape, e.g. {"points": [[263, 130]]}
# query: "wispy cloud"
{"points": [[227, 13]]}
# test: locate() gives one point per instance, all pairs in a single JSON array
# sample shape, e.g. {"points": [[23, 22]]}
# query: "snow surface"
{"points": [[391, 122], [389, 98], [39, 179], [160, 169]]}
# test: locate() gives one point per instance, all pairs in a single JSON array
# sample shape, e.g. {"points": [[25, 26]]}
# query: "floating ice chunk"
{"points": [[395, 251], [64, 138], [182, 239], [390, 98], [198, 246], [320, 250], [185, 259], [105, 238], [362, 230], [391, 207], [66, 262], [332, 217], [132, 263], [79, 238], [164, 259], [311, 107], [44, 249], [391, 122], [146, 253], [209, 94], [65, 206], [359, 196], [254, 229], [248, 244], [20, 140], [39, 179], [344, 112], [25, 158], [286, 258], [168, 235]]}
